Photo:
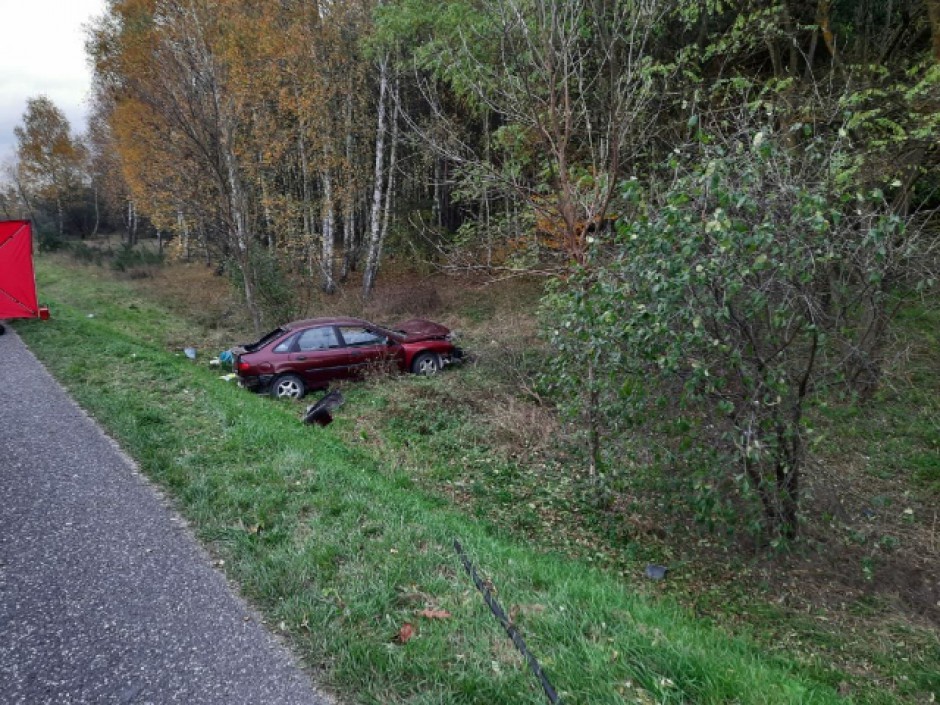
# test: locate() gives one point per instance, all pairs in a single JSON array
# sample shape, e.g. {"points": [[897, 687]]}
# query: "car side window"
{"points": [[356, 335], [286, 346], [317, 339]]}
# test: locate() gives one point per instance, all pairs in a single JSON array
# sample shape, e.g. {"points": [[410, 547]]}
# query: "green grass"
{"points": [[338, 547]]}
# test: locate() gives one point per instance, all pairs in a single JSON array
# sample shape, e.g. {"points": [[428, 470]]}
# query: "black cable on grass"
{"points": [[510, 628]]}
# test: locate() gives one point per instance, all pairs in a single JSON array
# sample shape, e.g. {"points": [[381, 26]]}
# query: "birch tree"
{"points": [[50, 159], [378, 182], [176, 114]]}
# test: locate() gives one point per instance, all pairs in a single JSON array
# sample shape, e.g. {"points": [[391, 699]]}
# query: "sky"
{"points": [[42, 52]]}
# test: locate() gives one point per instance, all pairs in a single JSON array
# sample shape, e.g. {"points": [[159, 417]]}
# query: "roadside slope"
{"points": [[340, 550]]}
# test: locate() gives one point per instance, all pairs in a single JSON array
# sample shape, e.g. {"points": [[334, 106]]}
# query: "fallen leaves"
{"points": [[404, 634], [407, 630], [434, 614]]}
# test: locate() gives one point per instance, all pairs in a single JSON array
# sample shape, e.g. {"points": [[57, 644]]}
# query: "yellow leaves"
{"points": [[236, 87]]}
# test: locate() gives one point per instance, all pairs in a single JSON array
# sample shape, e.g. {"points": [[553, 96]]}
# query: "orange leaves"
{"points": [[407, 630], [434, 614], [404, 634]]}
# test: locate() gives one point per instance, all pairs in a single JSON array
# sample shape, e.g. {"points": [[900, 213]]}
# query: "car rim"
{"points": [[288, 389], [427, 366]]}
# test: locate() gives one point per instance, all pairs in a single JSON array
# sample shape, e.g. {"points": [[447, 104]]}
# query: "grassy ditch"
{"points": [[340, 548]]}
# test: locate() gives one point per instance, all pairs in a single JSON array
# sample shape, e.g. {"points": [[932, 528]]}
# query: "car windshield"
{"points": [[264, 340]]}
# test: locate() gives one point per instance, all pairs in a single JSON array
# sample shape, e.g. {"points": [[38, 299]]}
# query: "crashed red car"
{"points": [[309, 354]]}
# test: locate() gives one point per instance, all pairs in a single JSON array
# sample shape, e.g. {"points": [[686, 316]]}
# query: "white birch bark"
{"points": [[350, 254], [183, 227], [307, 205], [327, 220], [390, 186], [375, 226]]}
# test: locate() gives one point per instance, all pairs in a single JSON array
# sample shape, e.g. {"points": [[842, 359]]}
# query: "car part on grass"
{"points": [[321, 413], [485, 589]]}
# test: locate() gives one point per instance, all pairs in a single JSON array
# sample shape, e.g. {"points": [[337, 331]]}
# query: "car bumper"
{"points": [[256, 384], [454, 357]]}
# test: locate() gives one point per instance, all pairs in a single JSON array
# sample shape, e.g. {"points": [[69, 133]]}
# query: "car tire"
{"points": [[426, 364], [287, 387]]}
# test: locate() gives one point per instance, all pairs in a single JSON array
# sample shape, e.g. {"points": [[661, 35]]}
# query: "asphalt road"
{"points": [[105, 596]]}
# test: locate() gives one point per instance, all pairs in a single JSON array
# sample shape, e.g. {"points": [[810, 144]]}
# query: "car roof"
{"points": [[329, 321]]}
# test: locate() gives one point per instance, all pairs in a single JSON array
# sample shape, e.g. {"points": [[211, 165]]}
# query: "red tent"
{"points": [[17, 281]]}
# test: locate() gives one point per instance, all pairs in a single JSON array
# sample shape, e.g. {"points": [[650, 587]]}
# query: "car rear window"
{"points": [[264, 340], [286, 345]]}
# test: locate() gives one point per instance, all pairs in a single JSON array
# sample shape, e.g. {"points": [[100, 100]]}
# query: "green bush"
{"points": [[83, 253], [128, 258], [759, 280], [51, 242], [278, 294]]}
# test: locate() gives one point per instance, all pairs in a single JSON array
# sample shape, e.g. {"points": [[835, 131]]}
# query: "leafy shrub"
{"points": [[760, 280], [279, 297], [51, 242], [83, 253], [128, 258]]}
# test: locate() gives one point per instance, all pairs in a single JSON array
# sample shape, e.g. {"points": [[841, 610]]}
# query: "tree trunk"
{"points": [[307, 205], [390, 185], [131, 224], [184, 234], [238, 224], [23, 195], [94, 231], [436, 208], [265, 205], [375, 226], [327, 221], [594, 434], [61, 213], [350, 253], [933, 12]]}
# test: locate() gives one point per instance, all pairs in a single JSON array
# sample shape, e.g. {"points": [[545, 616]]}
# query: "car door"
{"points": [[368, 350], [318, 356]]}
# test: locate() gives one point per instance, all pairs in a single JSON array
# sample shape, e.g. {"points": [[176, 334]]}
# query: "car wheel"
{"points": [[426, 364], [287, 387]]}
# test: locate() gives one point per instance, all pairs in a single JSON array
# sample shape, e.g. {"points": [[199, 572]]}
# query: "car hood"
{"points": [[419, 329]]}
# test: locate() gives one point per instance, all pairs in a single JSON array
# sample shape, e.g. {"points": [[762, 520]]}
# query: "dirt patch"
{"points": [[872, 537]]}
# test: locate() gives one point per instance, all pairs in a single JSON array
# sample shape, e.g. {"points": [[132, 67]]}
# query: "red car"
{"points": [[309, 354]]}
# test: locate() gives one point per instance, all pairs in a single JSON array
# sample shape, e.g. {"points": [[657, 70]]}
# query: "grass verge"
{"points": [[339, 548]]}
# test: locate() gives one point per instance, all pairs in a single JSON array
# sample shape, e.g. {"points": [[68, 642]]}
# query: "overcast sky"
{"points": [[42, 52]]}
